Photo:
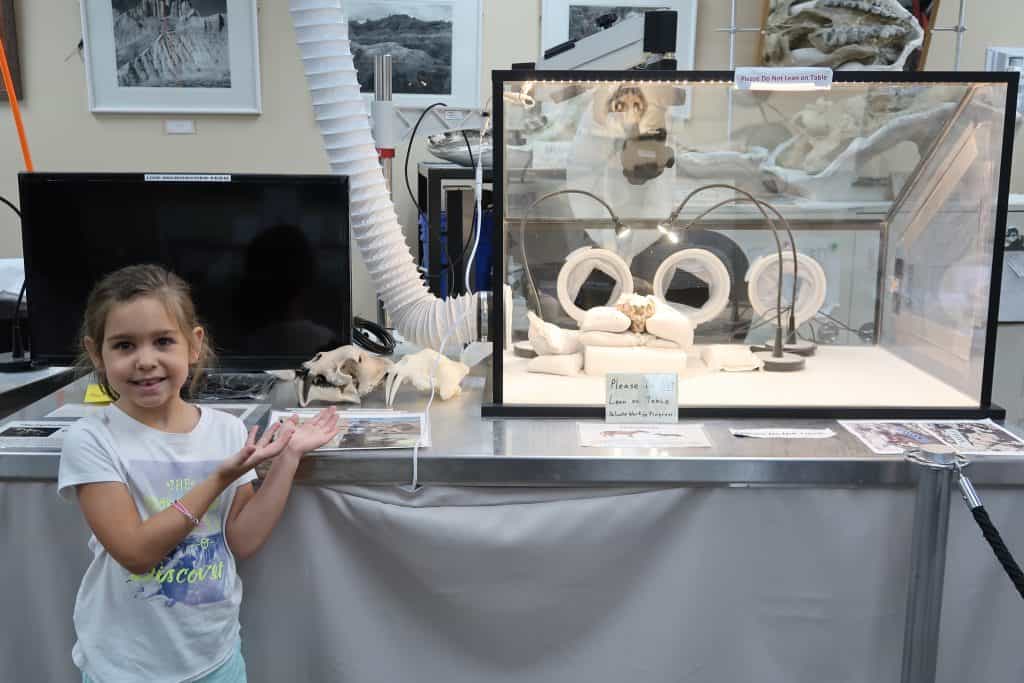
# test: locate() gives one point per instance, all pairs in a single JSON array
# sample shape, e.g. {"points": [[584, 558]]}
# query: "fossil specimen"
{"points": [[423, 369], [841, 34], [638, 309], [835, 137]]}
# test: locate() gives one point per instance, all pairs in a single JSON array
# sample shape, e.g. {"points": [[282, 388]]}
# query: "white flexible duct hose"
{"points": [[321, 32]]}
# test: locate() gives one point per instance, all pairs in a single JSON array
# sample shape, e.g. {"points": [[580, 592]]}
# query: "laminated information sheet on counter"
{"points": [[776, 433], [361, 429], [34, 434], [625, 435], [967, 437]]}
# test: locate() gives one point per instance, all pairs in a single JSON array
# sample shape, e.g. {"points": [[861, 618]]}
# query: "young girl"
{"points": [[166, 488]]}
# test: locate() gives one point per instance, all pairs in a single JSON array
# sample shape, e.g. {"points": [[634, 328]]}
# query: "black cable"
{"points": [[408, 153], [522, 236], [372, 337], [13, 207], [859, 333], [444, 243], [469, 147], [762, 205], [472, 223], [999, 548]]}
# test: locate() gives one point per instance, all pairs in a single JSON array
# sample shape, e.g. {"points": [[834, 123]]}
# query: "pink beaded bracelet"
{"points": [[180, 507]]}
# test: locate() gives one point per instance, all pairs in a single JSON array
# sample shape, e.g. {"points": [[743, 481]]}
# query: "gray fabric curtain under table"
{"points": [[369, 584]]}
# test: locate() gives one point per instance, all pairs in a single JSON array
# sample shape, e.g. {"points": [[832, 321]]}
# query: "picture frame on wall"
{"points": [[1011, 298], [176, 56], [435, 47], [9, 35], [563, 20]]}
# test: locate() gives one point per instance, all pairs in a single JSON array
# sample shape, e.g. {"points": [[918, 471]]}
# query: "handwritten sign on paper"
{"points": [[631, 397]]}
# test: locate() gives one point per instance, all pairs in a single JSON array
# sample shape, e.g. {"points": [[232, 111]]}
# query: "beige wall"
{"points": [[64, 135]]}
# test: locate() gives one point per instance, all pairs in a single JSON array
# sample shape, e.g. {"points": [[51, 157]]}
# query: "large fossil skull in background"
{"points": [[343, 375], [873, 34]]}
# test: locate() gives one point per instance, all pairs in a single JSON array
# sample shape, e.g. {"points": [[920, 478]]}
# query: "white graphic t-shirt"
{"points": [[179, 621]]}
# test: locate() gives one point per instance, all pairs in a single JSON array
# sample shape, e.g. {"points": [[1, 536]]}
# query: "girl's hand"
{"points": [[270, 445], [314, 433]]}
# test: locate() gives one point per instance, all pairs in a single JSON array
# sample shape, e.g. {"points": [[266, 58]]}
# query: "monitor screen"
{"points": [[267, 256]]}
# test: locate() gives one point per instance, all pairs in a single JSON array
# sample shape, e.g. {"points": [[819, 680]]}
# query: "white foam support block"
{"points": [[673, 326], [730, 358], [613, 339], [604, 319], [548, 339], [600, 360], [653, 342], [567, 365]]}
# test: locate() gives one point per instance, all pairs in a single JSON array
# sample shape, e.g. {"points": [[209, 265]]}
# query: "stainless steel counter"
{"points": [[470, 450], [18, 389]]}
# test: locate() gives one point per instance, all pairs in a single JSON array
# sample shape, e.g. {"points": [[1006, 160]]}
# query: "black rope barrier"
{"points": [[999, 548], [989, 531]]}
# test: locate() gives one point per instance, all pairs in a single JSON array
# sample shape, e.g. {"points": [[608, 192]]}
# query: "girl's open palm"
{"points": [[269, 445], [314, 433]]}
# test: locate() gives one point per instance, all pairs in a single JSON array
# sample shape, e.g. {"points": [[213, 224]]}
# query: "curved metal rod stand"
{"points": [[777, 347], [522, 236]]}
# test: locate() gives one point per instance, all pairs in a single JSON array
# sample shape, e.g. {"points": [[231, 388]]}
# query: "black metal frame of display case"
{"points": [[985, 409]]}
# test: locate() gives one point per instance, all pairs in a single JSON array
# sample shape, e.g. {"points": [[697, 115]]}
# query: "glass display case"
{"points": [[827, 252]]}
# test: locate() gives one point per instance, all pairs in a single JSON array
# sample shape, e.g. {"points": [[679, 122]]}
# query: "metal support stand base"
{"points": [[801, 348], [798, 348], [524, 349], [787, 362]]}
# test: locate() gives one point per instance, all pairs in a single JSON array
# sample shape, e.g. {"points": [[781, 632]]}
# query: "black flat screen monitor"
{"points": [[267, 256]]}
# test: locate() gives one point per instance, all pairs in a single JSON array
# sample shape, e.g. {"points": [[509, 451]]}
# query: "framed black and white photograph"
{"points": [[563, 20], [171, 56], [1011, 297], [434, 47], [10, 38]]}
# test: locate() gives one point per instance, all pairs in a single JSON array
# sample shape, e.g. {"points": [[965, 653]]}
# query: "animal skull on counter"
{"points": [[343, 375], [418, 369], [348, 373]]}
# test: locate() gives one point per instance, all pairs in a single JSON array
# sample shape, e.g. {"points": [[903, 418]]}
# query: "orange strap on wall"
{"points": [[12, 96]]}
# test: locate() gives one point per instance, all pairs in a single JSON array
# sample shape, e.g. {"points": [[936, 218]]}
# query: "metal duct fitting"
{"points": [[321, 32]]}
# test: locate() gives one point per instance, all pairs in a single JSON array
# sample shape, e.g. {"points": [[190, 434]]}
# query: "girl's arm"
{"points": [[139, 545], [254, 514]]}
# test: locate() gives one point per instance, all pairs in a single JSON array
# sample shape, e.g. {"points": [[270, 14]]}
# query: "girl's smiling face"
{"points": [[145, 355]]}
